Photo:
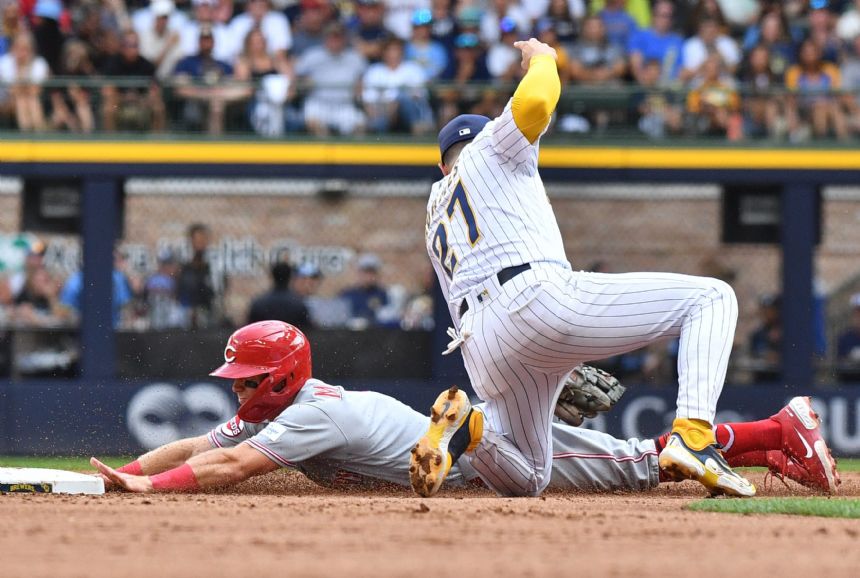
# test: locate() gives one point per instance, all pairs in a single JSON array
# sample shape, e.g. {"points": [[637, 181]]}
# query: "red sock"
{"points": [[740, 438], [749, 459]]}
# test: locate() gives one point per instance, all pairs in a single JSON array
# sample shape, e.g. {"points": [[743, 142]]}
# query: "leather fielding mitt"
{"points": [[587, 392]]}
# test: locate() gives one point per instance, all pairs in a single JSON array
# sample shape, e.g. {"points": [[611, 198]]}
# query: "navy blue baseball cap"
{"points": [[463, 127]]}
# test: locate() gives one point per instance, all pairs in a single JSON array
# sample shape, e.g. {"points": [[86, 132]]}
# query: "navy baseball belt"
{"points": [[503, 276]]}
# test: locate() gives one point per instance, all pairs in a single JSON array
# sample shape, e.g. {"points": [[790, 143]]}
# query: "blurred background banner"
{"points": [[170, 171], [132, 417]]}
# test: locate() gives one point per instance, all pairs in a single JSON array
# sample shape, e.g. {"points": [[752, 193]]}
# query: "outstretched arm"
{"points": [[219, 467], [538, 92], [167, 456]]}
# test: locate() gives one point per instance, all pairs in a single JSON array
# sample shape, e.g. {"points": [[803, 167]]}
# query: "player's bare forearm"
{"points": [[220, 467], [228, 466], [173, 454], [538, 92]]}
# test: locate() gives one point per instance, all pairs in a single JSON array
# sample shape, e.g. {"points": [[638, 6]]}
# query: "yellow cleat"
{"points": [[431, 459], [707, 466]]}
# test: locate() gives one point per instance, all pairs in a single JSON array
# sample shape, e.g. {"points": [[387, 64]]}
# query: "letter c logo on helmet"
{"points": [[230, 354]]}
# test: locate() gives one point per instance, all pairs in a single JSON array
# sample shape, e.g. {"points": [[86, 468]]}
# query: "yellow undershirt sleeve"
{"points": [[536, 97]]}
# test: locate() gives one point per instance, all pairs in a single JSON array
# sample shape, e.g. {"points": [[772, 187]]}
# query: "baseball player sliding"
{"points": [[523, 319], [336, 437]]}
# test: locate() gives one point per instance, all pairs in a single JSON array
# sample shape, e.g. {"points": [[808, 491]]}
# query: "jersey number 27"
{"points": [[447, 257]]}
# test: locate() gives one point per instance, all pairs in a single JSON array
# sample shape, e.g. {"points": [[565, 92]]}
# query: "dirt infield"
{"points": [[285, 526]]}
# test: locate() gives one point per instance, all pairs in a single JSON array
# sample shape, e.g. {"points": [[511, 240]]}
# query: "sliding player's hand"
{"points": [[137, 484]]}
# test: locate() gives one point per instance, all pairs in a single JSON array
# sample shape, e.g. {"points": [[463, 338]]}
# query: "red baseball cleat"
{"points": [[784, 466], [805, 457]]}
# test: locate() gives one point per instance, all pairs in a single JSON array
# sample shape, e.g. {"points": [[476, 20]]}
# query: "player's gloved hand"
{"points": [[534, 47], [137, 484], [586, 392]]}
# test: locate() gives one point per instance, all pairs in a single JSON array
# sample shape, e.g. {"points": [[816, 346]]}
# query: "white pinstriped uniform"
{"points": [[521, 340]]}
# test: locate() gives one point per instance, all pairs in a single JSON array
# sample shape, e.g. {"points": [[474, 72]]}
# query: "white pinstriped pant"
{"points": [[527, 336]]}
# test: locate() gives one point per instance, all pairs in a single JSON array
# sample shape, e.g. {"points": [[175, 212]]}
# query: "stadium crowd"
{"points": [[727, 68], [186, 290]]}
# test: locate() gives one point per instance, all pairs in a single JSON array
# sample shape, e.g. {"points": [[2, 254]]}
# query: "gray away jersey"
{"points": [[328, 432], [347, 437]]}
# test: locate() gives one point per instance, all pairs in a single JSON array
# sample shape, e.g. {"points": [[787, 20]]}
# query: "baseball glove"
{"points": [[586, 392]]}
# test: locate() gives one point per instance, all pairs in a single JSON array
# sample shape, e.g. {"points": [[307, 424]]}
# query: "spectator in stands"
{"points": [[395, 93], [45, 25], [773, 33], [418, 310], [657, 43], [773, 30], [762, 103], [422, 49], [142, 18], [766, 339], [163, 308], [333, 72], [308, 29], [123, 289], [274, 78], [848, 344], [443, 26], [200, 80], [7, 302], [280, 302], [71, 108], [205, 13], [136, 107], [24, 72], [503, 60], [307, 281], [708, 40], [102, 41], [367, 297], [822, 30], [713, 101], [594, 59], [468, 66], [738, 14], [657, 111], [398, 16], [848, 25], [491, 19], [703, 10], [620, 26], [273, 24], [367, 29], [38, 304], [195, 284], [10, 25], [545, 32], [639, 10], [34, 260], [159, 44], [565, 16], [810, 82], [850, 72]]}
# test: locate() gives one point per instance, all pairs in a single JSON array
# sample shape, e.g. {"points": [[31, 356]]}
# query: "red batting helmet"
{"points": [[276, 349]]}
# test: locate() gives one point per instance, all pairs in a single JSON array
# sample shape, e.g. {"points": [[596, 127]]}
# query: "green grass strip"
{"points": [[823, 507], [60, 463]]}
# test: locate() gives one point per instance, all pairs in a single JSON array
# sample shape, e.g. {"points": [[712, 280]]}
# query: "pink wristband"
{"points": [[132, 468], [181, 479]]}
